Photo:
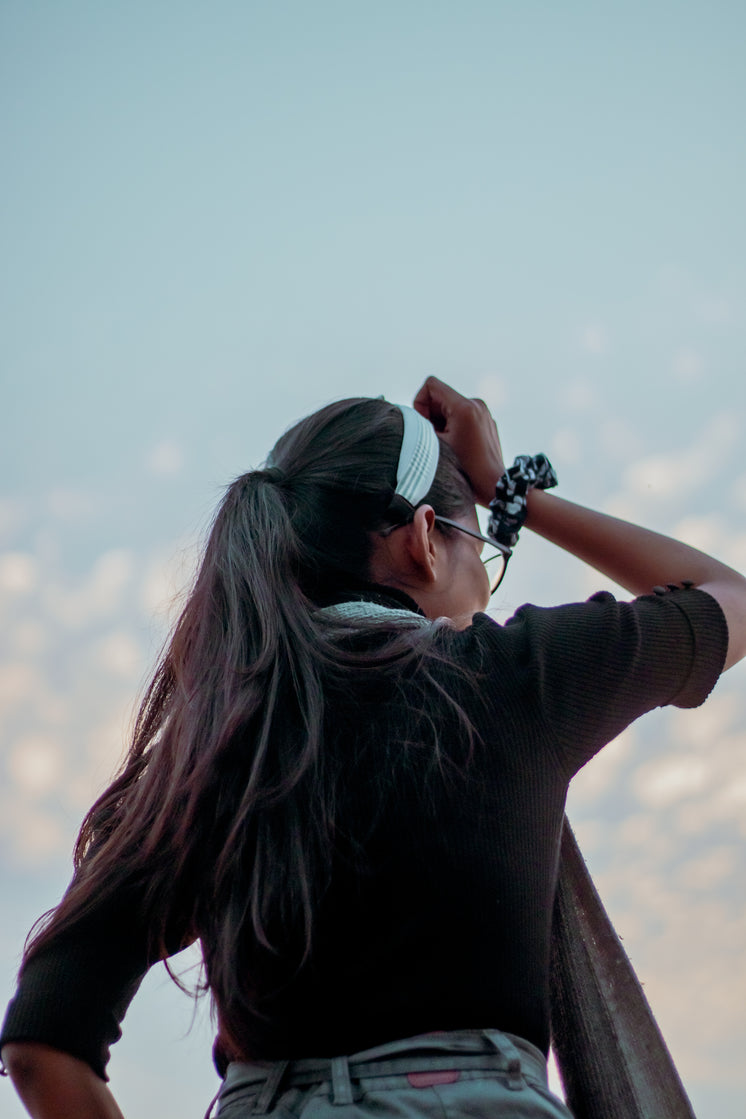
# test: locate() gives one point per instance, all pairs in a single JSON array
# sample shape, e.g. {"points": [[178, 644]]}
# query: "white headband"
{"points": [[418, 458]]}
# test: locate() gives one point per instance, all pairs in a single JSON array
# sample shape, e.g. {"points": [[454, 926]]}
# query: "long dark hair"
{"points": [[221, 820]]}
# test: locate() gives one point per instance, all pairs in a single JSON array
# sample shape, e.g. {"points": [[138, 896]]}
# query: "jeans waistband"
{"points": [[489, 1050]]}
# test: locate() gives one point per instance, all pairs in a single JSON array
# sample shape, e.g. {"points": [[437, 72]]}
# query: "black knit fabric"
{"points": [[440, 908]]}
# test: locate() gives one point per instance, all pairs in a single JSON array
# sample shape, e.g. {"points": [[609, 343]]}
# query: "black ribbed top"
{"points": [[439, 912]]}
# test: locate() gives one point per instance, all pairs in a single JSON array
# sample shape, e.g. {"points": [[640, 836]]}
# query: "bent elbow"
{"points": [[24, 1061], [731, 595]]}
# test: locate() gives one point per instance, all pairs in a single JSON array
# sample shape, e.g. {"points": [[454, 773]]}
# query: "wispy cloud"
{"points": [[75, 649], [594, 339], [166, 459]]}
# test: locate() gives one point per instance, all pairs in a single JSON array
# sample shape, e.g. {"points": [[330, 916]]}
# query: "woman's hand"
{"points": [[469, 430]]}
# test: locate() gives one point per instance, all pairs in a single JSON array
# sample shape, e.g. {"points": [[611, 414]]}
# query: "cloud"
{"points": [[709, 868], [713, 722], [97, 596], [680, 474], [671, 779], [12, 516], [167, 576], [594, 339], [662, 823], [738, 492], [166, 459], [70, 505], [33, 836], [18, 682], [494, 391], [710, 532], [18, 572], [687, 953], [601, 774], [713, 310], [72, 658], [35, 764], [735, 793], [566, 446], [667, 474], [619, 438], [75, 650], [119, 654], [28, 638], [578, 395], [687, 365]]}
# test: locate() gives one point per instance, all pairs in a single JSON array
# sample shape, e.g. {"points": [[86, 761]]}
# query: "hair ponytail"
{"points": [[222, 820]]}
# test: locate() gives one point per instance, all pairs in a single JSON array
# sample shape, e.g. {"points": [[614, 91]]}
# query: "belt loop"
{"points": [[507, 1050], [269, 1091], [341, 1083]]}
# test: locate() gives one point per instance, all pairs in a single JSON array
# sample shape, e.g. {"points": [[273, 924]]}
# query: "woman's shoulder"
{"points": [[599, 627]]}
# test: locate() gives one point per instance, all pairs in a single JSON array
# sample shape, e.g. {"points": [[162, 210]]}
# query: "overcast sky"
{"points": [[218, 217]]}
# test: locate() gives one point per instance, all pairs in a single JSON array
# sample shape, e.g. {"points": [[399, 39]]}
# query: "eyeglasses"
{"points": [[496, 561]]}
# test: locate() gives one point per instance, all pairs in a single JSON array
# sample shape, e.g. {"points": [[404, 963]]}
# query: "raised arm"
{"points": [[55, 1085], [634, 557], [638, 559]]}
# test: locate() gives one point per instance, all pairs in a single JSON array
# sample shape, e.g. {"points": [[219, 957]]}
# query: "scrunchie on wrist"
{"points": [[508, 508]]}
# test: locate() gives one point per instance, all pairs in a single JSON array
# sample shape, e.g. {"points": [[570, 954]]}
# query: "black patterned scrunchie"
{"points": [[508, 507]]}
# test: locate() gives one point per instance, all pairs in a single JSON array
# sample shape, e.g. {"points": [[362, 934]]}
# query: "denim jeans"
{"points": [[463, 1074]]}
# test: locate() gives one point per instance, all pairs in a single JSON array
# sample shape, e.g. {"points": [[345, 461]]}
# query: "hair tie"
{"points": [[509, 507], [274, 474]]}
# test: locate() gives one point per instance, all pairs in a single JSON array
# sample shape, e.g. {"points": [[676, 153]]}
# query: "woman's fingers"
{"points": [[436, 401], [469, 429]]}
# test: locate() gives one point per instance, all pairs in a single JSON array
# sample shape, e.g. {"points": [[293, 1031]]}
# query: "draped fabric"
{"points": [[612, 1057]]}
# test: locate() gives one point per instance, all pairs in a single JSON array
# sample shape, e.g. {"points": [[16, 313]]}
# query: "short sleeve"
{"points": [[73, 995], [597, 666]]}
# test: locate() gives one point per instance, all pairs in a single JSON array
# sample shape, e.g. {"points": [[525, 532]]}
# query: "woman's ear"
{"points": [[409, 556], [421, 542]]}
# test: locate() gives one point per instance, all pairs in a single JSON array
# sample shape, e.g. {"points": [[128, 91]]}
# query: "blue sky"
{"points": [[217, 217]]}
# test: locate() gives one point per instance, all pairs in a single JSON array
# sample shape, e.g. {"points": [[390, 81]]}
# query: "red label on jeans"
{"points": [[429, 1079]]}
